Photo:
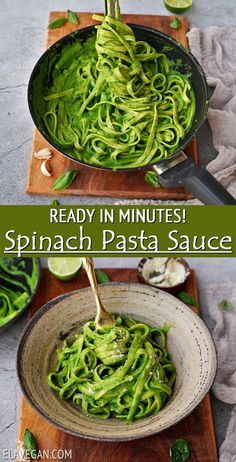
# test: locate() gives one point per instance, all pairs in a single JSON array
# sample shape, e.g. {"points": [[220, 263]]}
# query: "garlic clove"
{"points": [[44, 169], [43, 154]]}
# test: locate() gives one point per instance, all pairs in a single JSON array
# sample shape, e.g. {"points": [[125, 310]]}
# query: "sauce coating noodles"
{"points": [[117, 102], [123, 371]]}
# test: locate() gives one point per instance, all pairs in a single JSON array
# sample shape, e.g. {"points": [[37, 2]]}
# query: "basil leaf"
{"points": [[225, 305], [57, 23], [65, 179], [175, 23], [30, 444], [186, 298], [73, 18], [179, 451], [55, 203], [152, 179], [101, 276]]}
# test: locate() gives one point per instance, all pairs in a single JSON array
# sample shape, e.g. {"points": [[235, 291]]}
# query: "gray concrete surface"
{"points": [[208, 271], [22, 34]]}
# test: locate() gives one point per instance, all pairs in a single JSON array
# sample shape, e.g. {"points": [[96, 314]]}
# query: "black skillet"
{"points": [[180, 170], [9, 285]]}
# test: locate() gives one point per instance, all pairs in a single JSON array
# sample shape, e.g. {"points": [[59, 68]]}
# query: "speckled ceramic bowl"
{"points": [[189, 343]]}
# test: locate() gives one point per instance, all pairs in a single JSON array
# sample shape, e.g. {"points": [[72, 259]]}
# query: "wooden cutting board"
{"points": [[197, 428], [94, 182]]}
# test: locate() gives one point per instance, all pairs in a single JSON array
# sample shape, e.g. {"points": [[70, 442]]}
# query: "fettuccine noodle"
{"points": [[18, 280], [123, 371], [117, 102]]}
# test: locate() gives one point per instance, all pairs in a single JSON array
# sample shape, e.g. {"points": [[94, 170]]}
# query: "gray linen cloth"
{"points": [[224, 334], [215, 49]]}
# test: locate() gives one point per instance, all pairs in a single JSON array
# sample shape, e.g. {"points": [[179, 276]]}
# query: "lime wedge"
{"points": [[64, 268], [178, 6]]}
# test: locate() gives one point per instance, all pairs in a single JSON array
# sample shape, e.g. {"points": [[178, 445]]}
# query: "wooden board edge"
{"points": [[207, 397], [119, 195]]}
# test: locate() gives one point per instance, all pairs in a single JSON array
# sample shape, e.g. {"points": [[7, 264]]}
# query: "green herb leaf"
{"points": [[152, 179], [101, 276], [57, 23], [179, 451], [225, 305], [186, 298], [73, 18], [65, 179], [175, 23], [55, 203], [30, 444]]}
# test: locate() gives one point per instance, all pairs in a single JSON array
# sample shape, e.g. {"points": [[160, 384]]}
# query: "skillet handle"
{"points": [[197, 180]]}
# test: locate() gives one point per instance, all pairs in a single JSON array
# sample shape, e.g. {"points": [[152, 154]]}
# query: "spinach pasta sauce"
{"points": [[123, 371], [18, 281], [117, 102]]}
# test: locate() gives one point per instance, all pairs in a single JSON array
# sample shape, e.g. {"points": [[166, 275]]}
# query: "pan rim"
{"points": [[21, 312]]}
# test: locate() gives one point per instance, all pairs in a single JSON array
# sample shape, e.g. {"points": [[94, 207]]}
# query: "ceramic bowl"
{"points": [[145, 268], [189, 343]]}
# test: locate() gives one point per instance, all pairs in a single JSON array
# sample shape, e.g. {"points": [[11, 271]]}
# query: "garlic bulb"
{"points": [[43, 154]]}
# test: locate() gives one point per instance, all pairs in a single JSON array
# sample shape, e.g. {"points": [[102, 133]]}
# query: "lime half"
{"points": [[178, 6], [64, 268]]}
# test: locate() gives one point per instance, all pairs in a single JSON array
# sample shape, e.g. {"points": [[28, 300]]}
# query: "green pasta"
{"points": [[116, 102], [123, 371], [18, 280]]}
